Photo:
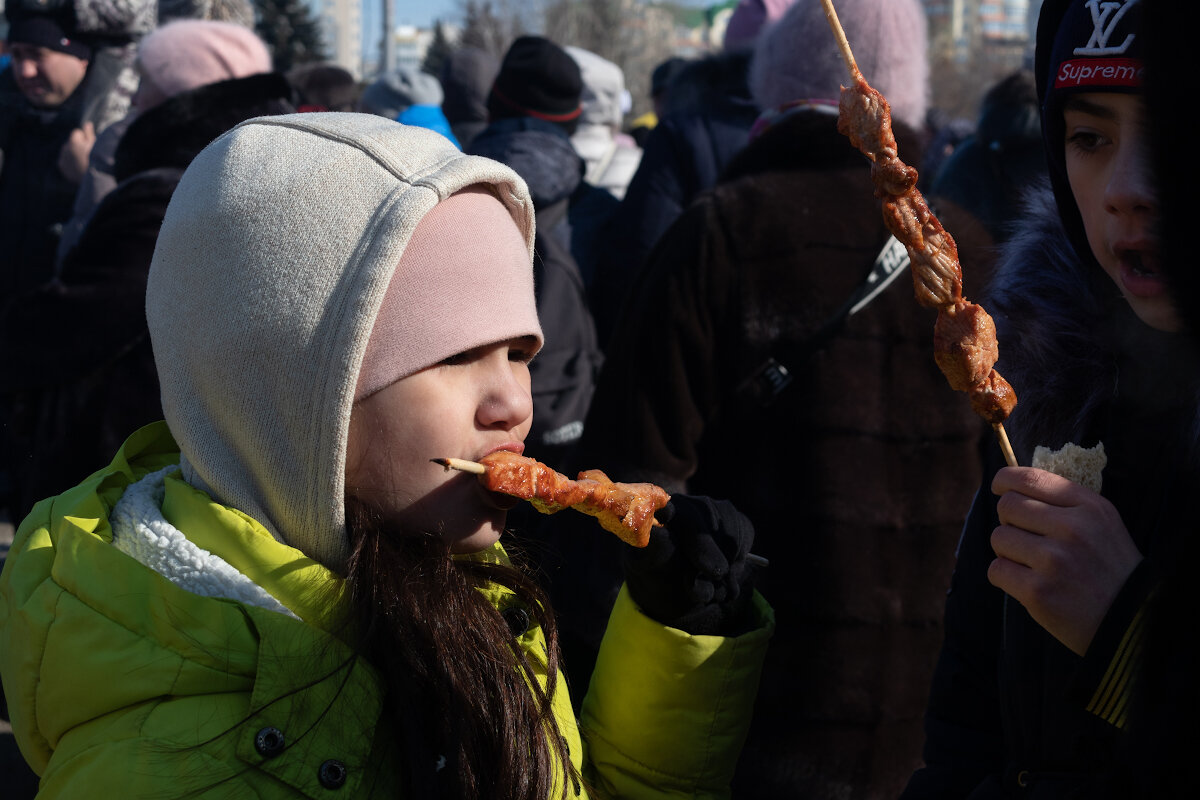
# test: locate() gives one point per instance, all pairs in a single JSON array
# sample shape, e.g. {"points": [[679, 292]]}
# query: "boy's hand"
{"points": [[1063, 552]]}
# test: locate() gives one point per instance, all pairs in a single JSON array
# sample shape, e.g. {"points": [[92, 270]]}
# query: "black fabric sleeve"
{"points": [[964, 741], [659, 387], [1104, 682]]}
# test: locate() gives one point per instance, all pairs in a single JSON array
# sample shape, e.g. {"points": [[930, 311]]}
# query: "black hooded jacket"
{"points": [[90, 323], [35, 198], [1012, 712]]}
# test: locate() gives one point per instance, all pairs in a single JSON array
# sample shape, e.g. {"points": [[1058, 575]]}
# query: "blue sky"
{"points": [[422, 13]]}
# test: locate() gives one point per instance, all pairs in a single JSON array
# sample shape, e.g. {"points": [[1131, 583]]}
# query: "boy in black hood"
{"points": [[1044, 621]]}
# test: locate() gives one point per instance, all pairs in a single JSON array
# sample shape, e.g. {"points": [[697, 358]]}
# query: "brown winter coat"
{"points": [[857, 477]]}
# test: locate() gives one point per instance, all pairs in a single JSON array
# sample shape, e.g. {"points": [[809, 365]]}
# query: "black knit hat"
{"points": [[537, 79], [44, 30], [1082, 46]]}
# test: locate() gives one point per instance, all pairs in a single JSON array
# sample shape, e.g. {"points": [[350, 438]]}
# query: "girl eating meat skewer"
{"points": [[276, 593], [1044, 618]]}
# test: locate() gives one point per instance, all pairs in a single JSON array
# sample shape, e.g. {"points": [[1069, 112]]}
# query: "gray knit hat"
{"points": [[391, 94], [797, 58], [275, 255]]}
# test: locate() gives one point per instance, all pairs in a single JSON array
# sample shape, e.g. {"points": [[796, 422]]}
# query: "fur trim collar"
{"points": [[141, 532], [1069, 343], [171, 134]]}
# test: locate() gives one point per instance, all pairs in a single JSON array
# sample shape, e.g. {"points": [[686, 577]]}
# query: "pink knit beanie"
{"points": [[750, 17], [189, 53], [465, 280], [797, 57]]}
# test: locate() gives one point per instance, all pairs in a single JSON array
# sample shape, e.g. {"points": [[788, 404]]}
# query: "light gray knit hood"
{"points": [[275, 254]]}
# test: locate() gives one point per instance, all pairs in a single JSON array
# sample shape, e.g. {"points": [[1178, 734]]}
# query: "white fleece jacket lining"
{"points": [[141, 532]]}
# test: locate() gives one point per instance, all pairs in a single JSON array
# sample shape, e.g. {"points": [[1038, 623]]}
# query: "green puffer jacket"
{"points": [[123, 683]]}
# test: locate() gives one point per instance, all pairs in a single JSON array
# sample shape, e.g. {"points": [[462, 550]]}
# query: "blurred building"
{"points": [[342, 26], [975, 43], [412, 43], [996, 30]]}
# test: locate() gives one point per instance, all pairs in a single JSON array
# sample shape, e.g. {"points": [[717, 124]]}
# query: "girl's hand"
{"points": [[1062, 552], [694, 575]]}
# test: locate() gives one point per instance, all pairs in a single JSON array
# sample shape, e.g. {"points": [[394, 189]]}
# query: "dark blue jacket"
{"points": [[564, 372], [684, 155]]}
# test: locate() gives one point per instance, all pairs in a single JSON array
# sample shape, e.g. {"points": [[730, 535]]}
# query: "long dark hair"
{"points": [[470, 715]]}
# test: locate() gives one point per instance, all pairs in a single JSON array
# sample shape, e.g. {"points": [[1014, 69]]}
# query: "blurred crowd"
{"points": [[706, 279]]}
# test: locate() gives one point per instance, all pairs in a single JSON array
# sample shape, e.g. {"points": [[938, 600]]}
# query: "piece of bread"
{"points": [[1080, 464]]}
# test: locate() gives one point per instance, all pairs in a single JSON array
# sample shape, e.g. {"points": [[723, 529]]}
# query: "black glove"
{"points": [[693, 575]]}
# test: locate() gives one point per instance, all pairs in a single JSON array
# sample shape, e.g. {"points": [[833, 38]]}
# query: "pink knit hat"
{"points": [[750, 17], [797, 58], [189, 53], [465, 280]]}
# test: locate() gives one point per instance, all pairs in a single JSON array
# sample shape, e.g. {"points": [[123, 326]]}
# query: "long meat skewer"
{"points": [[626, 509], [964, 337]]}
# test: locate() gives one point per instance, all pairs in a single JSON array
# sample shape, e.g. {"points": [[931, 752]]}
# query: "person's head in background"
{"points": [[240, 12], [796, 59], [1009, 114], [660, 82], [603, 98], [1093, 125], [410, 96], [324, 87], [49, 61], [538, 79], [750, 18], [467, 77], [187, 54], [388, 95]]}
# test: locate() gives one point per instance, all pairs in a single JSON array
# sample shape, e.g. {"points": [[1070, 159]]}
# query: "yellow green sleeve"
{"points": [[667, 712]]}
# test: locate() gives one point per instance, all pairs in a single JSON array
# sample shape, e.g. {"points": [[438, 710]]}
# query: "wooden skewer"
{"points": [[843, 43], [1010, 457], [474, 467], [461, 464], [840, 35]]}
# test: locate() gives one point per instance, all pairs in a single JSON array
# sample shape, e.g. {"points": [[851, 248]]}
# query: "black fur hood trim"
{"points": [[1067, 335], [172, 133]]}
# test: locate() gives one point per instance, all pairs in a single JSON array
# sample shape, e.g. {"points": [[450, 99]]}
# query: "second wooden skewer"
{"points": [[839, 34]]}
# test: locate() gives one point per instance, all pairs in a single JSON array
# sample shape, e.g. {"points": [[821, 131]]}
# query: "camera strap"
{"points": [[767, 382]]}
